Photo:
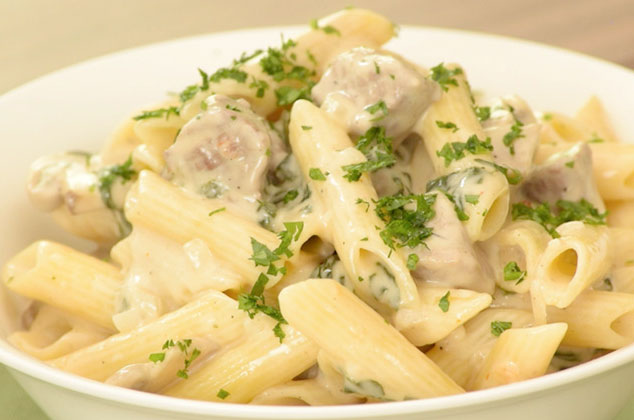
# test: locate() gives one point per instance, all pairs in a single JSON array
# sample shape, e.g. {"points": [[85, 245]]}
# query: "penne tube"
{"points": [[375, 359], [70, 280], [598, 319], [213, 317], [520, 354], [429, 322], [379, 274], [255, 363], [573, 262], [170, 211], [463, 353], [594, 116]]}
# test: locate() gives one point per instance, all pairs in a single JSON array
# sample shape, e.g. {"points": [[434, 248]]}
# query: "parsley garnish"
{"points": [[211, 213], [448, 125], [109, 175], [444, 76], [456, 150], [405, 217], [158, 113], [511, 136], [329, 29], [565, 211], [512, 272], [362, 201], [306, 127], [570, 164], [184, 347], [222, 394], [472, 198], [281, 65], [374, 108], [260, 86], [412, 260], [254, 301], [377, 69], [513, 176], [498, 327], [483, 113], [377, 148], [443, 303], [228, 73], [316, 174]]}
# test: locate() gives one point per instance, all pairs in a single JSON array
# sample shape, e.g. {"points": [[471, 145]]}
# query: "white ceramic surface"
{"points": [[78, 107]]}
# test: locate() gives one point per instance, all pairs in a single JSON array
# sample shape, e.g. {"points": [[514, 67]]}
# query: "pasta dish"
{"points": [[325, 222]]}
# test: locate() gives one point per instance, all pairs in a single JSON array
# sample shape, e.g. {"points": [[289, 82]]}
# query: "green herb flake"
{"points": [[228, 73], [564, 211], [448, 125], [412, 261], [316, 174], [377, 148], [512, 272], [109, 175], [483, 113], [328, 29], [570, 164], [455, 151], [444, 76], [498, 327], [443, 303], [157, 357], [405, 218], [547, 117], [211, 213], [260, 87], [362, 201], [377, 69], [472, 198], [222, 394], [380, 106], [279, 332], [510, 137], [306, 127], [158, 113], [513, 176]]}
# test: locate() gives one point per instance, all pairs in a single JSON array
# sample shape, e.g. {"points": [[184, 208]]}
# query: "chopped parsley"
{"points": [[281, 65], [443, 303], [472, 198], [456, 150], [448, 125], [595, 139], [380, 106], [184, 347], [570, 164], [510, 137], [158, 113], [211, 213], [513, 176], [260, 87], [228, 73], [483, 113], [306, 127], [377, 148], [444, 76], [254, 301], [564, 211], [222, 394], [377, 69], [498, 327], [412, 260], [109, 175], [450, 184], [405, 217], [328, 29], [362, 201], [512, 272], [316, 174]]}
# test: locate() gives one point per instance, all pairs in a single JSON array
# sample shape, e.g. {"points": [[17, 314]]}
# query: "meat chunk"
{"points": [[449, 259], [364, 88], [514, 133], [224, 149], [564, 176]]}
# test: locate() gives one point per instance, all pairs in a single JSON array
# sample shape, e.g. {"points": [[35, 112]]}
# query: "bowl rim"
{"points": [[16, 361]]}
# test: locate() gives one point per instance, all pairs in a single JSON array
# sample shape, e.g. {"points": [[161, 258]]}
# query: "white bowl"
{"points": [[79, 106]]}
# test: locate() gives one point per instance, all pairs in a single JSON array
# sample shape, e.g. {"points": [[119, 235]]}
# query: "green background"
{"points": [[16, 405]]}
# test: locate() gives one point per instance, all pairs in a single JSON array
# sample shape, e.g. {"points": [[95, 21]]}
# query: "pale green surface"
{"points": [[16, 405]]}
